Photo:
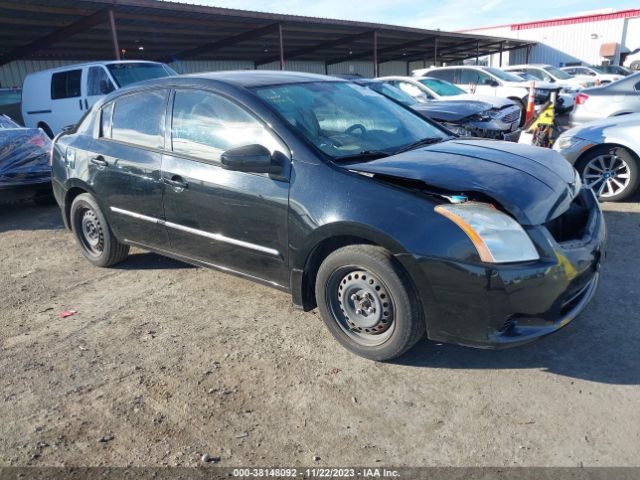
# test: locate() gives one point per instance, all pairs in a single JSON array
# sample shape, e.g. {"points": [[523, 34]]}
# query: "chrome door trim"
{"points": [[213, 236]]}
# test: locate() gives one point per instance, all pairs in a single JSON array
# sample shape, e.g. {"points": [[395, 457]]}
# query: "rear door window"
{"points": [[468, 76], [66, 84], [139, 118], [443, 74]]}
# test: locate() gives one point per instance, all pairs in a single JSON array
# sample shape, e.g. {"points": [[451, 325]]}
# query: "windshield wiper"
{"points": [[363, 155], [421, 143]]}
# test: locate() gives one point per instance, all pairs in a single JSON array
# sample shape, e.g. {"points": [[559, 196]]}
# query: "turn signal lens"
{"points": [[498, 238]]}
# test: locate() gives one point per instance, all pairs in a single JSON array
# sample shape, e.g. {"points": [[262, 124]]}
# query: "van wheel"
{"points": [[97, 242], [368, 302], [45, 128], [611, 172]]}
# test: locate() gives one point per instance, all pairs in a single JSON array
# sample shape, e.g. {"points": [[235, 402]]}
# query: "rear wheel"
{"points": [[611, 171], [368, 302], [92, 232]]}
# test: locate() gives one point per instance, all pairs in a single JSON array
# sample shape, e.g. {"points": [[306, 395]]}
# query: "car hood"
{"points": [[495, 102], [533, 184], [451, 110], [539, 84], [594, 130]]}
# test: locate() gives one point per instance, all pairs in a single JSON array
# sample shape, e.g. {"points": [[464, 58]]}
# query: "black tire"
{"points": [[523, 110], [605, 152], [45, 128], [93, 234], [396, 330]]}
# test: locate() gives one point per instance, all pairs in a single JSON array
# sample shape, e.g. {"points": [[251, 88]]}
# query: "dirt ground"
{"points": [[164, 362]]}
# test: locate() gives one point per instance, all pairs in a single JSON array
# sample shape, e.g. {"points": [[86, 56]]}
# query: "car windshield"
{"points": [[393, 93], [343, 119], [557, 73], [617, 69], [442, 87], [502, 75], [128, 73]]}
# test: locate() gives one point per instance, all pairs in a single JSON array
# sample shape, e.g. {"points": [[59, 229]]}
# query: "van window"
{"points": [[138, 119], [205, 125], [65, 84], [98, 82]]}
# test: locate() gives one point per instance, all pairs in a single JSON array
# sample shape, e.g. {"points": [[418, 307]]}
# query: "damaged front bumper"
{"points": [[497, 306]]}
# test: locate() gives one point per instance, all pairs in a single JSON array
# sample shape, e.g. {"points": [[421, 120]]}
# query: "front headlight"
{"points": [[563, 143], [498, 238], [459, 130]]}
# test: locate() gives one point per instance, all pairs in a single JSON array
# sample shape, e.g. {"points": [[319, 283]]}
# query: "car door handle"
{"points": [[99, 161], [176, 182]]}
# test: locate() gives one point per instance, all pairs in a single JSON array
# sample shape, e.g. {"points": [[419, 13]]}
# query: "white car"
{"points": [[55, 98], [551, 74], [632, 60], [605, 154], [597, 75], [492, 82], [427, 89], [566, 100]]}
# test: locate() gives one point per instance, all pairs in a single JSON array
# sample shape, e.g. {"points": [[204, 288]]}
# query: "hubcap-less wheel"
{"points": [[607, 175], [361, 306], [91, 233]]}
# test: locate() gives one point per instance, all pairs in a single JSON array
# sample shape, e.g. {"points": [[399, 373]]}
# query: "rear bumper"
{"points": [[498, 306]]}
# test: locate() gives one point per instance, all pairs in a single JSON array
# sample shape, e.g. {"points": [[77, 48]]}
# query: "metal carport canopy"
{"points": [[170, 31]]}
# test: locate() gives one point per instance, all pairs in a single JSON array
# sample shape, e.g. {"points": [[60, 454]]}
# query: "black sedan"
{"points": [[343, 198]]}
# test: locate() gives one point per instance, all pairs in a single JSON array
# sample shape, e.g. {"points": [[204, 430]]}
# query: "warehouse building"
{"points": [[595, 39], [40, 34]]}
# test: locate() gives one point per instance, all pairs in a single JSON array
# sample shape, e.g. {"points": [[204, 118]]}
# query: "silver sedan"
{"points": [[606, 153], [617, 98]]}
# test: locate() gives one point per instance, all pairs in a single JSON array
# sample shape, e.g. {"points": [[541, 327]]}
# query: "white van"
{"points": [[55, 98]]}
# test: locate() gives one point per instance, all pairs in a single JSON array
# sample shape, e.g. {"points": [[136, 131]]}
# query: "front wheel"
{"points": [[368, 302], [610, 171], [96, 240]]}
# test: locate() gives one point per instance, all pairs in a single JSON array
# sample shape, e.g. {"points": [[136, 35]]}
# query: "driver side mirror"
{"points": [[250, 158], [490, 82]]}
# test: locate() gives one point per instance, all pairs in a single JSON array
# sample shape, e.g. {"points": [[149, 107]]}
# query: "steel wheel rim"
{"points": [[361, 305], [607, 175], [90, 231]]}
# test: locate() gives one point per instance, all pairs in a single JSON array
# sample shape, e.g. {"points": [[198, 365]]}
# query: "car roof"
{"points": [[245, 78], [72, 66], [526, 65]]}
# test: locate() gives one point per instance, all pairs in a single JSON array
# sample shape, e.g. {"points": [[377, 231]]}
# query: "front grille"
{"points": [[572, 224], [487, 133], [511, 116]]}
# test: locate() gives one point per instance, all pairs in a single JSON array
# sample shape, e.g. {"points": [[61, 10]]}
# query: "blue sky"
{"points": [[443, 14]]}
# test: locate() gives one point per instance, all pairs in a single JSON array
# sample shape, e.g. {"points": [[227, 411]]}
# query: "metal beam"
{"points": [[114, 35], [501, 49], [435, 52], [381, 51], [63, 33], [375, 54], [320, 46], [226, 42], [281, 45]]}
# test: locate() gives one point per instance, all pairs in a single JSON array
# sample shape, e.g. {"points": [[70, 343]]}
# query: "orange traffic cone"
{"points": [[531, 103]]}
